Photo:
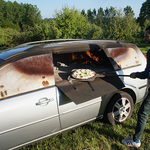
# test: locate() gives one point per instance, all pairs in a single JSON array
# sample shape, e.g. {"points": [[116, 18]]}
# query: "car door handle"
{"points": [[44, 101]]}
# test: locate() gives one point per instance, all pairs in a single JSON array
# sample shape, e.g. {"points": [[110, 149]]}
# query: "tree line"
{"points": [[20, 23]]}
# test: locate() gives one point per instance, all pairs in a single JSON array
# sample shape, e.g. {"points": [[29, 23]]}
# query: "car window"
{"points": [[27, 74]]}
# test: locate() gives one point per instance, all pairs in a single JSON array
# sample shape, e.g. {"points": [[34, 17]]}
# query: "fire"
{"points": [[92, 56], [84, 58]]}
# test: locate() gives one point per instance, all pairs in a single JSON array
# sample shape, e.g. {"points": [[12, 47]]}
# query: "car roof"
{"points": [[58, 46]]}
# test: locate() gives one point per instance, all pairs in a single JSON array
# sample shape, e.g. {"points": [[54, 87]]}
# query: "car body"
{"points": [[40, 98]]}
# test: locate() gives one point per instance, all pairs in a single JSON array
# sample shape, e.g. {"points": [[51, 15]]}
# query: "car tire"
{"points": [[119, 108]]}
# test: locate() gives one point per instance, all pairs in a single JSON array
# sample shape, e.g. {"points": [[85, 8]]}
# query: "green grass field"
{"points": [[144, 48], [96, 135]]}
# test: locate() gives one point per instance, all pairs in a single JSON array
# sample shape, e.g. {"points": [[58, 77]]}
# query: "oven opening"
{"points": [[64, 64], [80, 91]]}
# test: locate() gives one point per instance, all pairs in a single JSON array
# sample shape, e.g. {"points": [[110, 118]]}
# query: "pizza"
{"points": [[83, 74]]}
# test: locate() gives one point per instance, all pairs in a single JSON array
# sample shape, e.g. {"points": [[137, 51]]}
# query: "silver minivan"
{"points": [[48, 87]]}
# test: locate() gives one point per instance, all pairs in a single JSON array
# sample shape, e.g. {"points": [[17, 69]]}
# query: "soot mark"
{"points": [[35, 65]]}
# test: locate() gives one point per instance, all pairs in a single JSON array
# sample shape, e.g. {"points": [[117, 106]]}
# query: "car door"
{"points": [[72, 114], [28, 117], [28, 106]]}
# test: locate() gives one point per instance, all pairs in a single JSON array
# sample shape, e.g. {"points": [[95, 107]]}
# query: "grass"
{"points": [[144, 47], [97, 135]]}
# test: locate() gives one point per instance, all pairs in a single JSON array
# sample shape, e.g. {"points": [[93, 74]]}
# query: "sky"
{"points": [[48, 7]]}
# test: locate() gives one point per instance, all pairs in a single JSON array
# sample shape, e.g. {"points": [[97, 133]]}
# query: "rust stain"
{"points": [[2, 94], [35, 65], [124, 57], [1, 86], [5, 92], [43, 77], [45, 83], [118, 52]]}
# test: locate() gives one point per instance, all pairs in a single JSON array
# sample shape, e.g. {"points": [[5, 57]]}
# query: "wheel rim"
{"points": [[121, 110]]}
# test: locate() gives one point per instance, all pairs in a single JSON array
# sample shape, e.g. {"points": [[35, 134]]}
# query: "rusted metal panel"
{"points": [[27, 74], [123, 57], [35, 65], [80, 92]]}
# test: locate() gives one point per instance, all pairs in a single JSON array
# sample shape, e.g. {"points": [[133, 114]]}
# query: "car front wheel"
{"points": [[119, 109]]}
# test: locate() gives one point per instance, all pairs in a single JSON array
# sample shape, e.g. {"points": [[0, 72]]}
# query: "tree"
{"points": [[116, 25], [9, 24], [96, 32], [128, 12], [8, 13], [100, 12], [90, 15], [31, 16], [41, 31], [110, 12], [146, 24], [2, 4], [70, 23], [23, 15], [94, 13], [144, 12], [17, 13], [83, 12], [7, 36], [100, 17]]}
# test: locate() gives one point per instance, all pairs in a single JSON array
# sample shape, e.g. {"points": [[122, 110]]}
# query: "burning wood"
{"points": [[86, 57]]}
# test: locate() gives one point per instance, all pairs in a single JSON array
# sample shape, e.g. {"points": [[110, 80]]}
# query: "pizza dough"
{"points": [[83, 74]]}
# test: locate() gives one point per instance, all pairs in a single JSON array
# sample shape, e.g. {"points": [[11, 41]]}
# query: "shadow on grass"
{"points": [[106, 130], [111, 133]]}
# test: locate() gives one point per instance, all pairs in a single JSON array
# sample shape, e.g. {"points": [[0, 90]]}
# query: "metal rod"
{"points": [[114, 75]]}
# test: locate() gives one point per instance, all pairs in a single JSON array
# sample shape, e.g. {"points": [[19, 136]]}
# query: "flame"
{"points": [[80, 58], [92, 56], [73, 57]]}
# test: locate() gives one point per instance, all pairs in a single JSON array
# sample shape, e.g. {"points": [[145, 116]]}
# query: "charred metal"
{"points": [[35, 65]]}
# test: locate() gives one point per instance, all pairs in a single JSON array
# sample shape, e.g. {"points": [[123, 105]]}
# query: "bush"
{"points": [[7, 36], [8, 24]]}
